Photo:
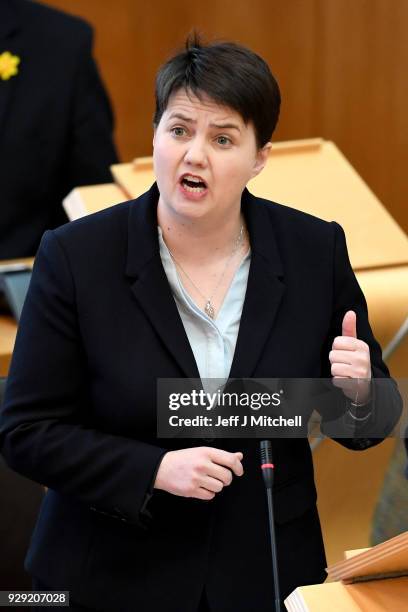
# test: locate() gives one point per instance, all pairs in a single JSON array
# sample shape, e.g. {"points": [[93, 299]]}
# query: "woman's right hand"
{"points": [[199, 472]]}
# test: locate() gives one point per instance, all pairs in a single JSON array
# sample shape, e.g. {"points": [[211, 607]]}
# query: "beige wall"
{"points": [[342, 66]]}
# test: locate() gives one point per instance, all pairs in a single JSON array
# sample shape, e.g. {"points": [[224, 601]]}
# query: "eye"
{"points": [[178, 131], [224, 141]]}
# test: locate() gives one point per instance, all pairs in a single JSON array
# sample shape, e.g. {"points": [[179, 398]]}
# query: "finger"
{"points": [[349, 325], [226, 459], [342, 369], [204, 494], [212, 484], [336, 356], [223, 474], [356, 358], [346, 343]]}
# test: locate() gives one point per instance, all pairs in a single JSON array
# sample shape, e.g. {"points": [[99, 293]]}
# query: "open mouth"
{"points": [[193, 184]]}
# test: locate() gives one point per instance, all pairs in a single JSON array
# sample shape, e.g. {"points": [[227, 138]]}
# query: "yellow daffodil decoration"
{"points": [[8, 65]]}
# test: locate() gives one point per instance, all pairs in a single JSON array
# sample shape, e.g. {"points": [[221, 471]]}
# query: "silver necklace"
{"points": [[208, 306]]}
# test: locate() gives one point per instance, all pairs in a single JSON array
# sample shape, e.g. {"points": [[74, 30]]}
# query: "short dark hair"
{"points": [[229, 74]]}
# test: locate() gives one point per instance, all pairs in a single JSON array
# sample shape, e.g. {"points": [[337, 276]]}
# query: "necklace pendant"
{"points": [[209, 309]]}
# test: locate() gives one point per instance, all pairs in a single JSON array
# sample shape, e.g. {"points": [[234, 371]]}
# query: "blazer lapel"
{"points": [[264, 290], [9, 26], [149, 282]]}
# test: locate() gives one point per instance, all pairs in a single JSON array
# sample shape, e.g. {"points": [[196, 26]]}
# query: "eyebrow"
{"points": [[219, 126]]}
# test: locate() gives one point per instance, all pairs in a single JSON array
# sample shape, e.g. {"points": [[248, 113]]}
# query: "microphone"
{"points": [[267, 467]]}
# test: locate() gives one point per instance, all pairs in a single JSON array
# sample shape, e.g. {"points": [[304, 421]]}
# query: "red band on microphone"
{"points": [[267, 465]]}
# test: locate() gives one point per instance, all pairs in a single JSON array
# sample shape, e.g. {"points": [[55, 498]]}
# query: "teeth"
{"points": [[193, 179], [193, 189]]}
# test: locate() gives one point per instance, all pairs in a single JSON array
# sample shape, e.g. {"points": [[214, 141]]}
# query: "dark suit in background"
{"points": [[99, 326], [55, 122], [55, 134]]}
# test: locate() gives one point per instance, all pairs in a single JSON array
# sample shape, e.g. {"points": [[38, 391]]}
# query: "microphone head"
{"points": [[266, 452]]}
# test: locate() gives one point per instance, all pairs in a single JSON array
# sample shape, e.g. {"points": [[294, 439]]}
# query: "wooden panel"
{"points": [[138, 37], [363, 63]]}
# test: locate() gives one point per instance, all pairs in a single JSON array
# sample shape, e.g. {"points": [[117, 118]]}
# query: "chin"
{"points": [[189, 209]]}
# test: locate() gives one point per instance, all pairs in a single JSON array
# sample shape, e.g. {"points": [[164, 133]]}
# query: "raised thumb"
{"points": [[349, 325]]}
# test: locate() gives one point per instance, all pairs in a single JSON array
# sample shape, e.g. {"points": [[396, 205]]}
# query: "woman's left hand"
{"points": [[350, 360]]}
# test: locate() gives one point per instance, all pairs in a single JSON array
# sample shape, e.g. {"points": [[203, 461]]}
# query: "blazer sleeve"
{"points": [[43, 431], [385, 406], [91, 149]]}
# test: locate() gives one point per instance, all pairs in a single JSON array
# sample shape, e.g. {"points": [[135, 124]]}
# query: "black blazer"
{"points": [[55, 122], [98, 328]]}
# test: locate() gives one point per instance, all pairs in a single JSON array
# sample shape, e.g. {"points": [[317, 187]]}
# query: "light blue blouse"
{"points": [[212, 341]]}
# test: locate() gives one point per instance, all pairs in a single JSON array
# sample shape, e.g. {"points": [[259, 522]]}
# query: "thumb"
{"points": [[349, 325]]}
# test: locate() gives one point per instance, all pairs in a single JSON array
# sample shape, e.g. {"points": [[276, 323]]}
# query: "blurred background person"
{"points": [[55, 121], [55, 134]]}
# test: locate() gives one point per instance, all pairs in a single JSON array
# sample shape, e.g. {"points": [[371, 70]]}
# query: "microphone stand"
{"points": [[267, 467]]}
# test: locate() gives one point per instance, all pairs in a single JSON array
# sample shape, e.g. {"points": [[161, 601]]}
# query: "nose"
{"points": [[196, 154]]}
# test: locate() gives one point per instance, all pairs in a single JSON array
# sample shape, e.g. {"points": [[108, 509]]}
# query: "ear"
{"points": [[261, 159]]}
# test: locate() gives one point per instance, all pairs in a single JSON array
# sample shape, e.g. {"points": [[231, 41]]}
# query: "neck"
{"points": [[200, 240]]}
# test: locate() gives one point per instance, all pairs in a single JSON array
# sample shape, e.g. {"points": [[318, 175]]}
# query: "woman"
{"points": [[196, 278]]}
